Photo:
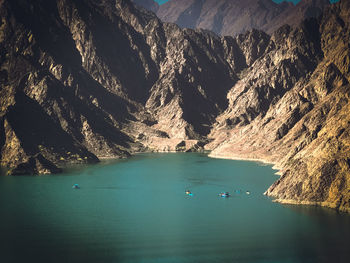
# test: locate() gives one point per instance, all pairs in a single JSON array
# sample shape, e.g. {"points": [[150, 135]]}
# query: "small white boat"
{"points": [[188, 192], [225, 194]]}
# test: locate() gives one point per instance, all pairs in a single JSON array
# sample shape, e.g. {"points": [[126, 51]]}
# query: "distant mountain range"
{"points": [[230, 17], [148, 4]]}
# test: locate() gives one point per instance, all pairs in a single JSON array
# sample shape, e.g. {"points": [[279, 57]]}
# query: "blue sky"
{"points": [[277, 1]]}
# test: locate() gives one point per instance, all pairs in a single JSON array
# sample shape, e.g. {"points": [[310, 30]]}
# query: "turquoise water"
{"points": [[136, 211]]}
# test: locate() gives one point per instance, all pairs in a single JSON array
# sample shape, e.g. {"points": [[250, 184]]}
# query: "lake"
{"points": [[136, 210]]}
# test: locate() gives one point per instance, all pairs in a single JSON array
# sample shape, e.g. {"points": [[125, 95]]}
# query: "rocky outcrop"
{"points": [[226, 17], [290, 108], [105, 79]]}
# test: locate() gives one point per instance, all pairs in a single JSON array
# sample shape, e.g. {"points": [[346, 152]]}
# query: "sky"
{"points": [[277, 1]]}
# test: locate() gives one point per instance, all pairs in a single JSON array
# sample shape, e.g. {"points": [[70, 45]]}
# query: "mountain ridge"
{"points": [[234, 17]]}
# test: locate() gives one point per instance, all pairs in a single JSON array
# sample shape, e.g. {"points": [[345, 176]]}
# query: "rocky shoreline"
{"points": [[280, 173], [321, 204]]}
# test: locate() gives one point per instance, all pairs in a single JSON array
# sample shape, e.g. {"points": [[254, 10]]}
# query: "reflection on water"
{"points": [[136, 210]]}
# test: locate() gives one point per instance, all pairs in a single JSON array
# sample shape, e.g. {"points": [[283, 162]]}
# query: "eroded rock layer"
{"points": [[81, 81]]}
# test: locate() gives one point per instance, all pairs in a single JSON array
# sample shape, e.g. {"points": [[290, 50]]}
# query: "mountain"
{"points": [[227, 17], [148, 4], [81, 81], [291, 108], [86, 81]]}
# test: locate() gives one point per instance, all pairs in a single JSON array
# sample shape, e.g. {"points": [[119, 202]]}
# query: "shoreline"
{"points": [[278, 172], [227, 157], [208, 152], [312, 203], [259, 160]]}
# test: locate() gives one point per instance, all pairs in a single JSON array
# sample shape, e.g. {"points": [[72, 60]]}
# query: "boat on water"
{"points": [[188, 192], [76, 186], [224, 194]]}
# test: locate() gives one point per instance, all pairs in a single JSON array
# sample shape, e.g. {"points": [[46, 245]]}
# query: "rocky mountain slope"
{"points": [[86, 81], [227, 17], [81, 81], [148, 4], [291, 108]]}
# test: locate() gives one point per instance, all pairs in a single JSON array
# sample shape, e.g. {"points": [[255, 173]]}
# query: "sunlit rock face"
{"points": [[291, 108], [81, 81], [227, 17]]}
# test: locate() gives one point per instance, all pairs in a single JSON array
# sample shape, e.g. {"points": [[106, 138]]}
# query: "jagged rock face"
{"points": [[60, 101], [324, 150], [77, 77], [227, 17], [291, 108]]}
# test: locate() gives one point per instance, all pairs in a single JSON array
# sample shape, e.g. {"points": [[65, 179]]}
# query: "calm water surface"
{"points": [[136, 211]]}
